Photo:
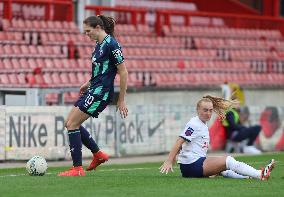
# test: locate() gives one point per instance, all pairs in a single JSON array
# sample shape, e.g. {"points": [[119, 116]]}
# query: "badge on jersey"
{"points": [[189, 131]]}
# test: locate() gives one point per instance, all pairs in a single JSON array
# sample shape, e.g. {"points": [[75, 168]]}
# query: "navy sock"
{"points": [[75, 146], [88, 141]]}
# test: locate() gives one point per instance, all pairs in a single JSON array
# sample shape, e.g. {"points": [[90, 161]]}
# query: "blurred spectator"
{"points": [[272, 135], [226, 91], [244, 115], [237, 93], [240, 138]]}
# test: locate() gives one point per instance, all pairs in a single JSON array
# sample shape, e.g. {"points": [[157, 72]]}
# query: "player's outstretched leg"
{"points": [[246, 170], [232, 174], [242, 168], [98, 158]]}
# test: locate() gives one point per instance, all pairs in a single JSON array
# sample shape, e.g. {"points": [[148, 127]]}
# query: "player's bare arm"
{"points": [[121, 105], [84, 87], [168, 164]]}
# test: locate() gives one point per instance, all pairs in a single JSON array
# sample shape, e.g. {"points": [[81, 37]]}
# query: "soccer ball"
{"points": [[36, 166]]}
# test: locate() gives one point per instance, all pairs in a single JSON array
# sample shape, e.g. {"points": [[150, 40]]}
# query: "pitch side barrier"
{"points": [[29, 131]]}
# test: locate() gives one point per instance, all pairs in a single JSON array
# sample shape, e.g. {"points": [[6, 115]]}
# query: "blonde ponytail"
{"points": [[220, 105]]}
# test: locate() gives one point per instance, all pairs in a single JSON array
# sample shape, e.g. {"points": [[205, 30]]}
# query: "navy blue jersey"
{"points": [[105, 58]]}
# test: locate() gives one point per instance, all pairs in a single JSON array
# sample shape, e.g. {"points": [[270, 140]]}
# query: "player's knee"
{"points": [[229, 161], [71, 125]]}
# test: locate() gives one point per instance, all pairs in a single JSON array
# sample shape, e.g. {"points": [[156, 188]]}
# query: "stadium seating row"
{"points": [[237, 43], [189, 54], [191, 66], [49, 38], [138, 30], [223, 32], [46, 64], [168, 79], [16, 65], [25, 51], [39, 26], [47, 79], [56, 79], [213, 79], [12, 38], [63, 39], [25, 11]]}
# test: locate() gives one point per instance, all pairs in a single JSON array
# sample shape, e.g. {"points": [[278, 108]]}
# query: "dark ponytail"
{"points": [[105, 22], [109, 23]]}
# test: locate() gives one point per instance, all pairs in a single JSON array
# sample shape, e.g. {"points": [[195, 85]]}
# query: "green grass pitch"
{"points": [[141, 180]]}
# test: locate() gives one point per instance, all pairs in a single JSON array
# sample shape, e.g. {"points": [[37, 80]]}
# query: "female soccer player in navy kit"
{"points": [[97, 93], [193, 144]]}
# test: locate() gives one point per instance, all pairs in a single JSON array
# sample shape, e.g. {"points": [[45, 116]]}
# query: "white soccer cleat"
{"points": [[265, 174]]}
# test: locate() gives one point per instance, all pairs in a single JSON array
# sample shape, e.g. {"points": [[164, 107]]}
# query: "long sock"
{"points": [[88, 141], [75, 147], [242, 168], [232, 174]]}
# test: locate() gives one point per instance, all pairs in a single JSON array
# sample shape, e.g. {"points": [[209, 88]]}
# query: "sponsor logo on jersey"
{"points": [[117, 53]]}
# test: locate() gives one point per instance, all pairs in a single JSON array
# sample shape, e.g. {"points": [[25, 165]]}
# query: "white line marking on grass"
{"points": [[16, 175], [125, 169]]}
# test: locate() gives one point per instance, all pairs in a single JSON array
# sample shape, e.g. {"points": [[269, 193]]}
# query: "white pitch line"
{"points": [[126, 169], [16, 175]]}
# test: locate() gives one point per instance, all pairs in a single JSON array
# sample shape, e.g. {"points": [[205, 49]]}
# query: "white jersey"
{"points": [[196, 136]]}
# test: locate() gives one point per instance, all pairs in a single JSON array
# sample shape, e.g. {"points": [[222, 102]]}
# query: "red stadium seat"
{"points": [[80, 78], [7, 64], [21, 79], [13, 79], [49, 63], [56, 79], [51, 98], [16, 64], [47, 79], [4, 80], [32, 63]]}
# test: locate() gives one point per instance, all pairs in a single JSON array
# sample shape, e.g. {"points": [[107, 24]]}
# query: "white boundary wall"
{"points": [[28, 131]]}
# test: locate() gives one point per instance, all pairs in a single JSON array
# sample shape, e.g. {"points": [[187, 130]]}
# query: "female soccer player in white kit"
{"points": [[193, 143]]}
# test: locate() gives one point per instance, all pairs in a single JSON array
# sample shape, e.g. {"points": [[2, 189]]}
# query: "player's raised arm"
{"points": [[168, 164]]}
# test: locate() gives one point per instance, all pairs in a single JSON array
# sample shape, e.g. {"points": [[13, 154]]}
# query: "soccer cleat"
{"points": [[98, 158], [265, 174], [73, 171]]}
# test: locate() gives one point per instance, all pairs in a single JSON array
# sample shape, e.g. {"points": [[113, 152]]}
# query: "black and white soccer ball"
{"points": [[36, 166]]}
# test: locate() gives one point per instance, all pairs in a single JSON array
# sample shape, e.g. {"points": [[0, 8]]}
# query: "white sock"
{"points": [[242, 168], [232, 174]]}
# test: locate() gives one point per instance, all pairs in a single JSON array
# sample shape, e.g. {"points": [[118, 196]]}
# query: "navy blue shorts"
{"points": [[194, 169], [91, 104]]}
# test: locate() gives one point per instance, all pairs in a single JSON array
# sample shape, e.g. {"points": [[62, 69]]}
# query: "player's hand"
{"points": [[84, 88], [121, 106], [166, 167]]}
